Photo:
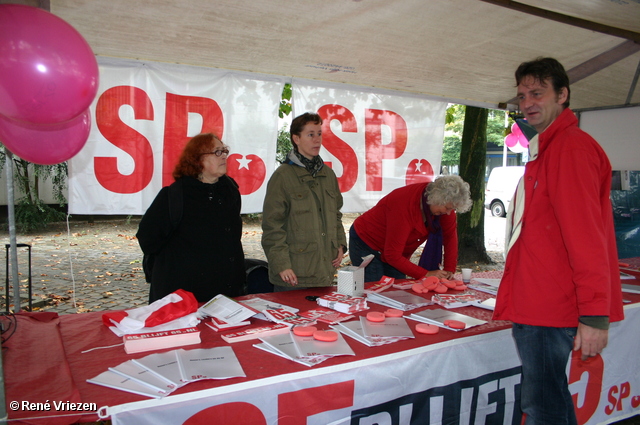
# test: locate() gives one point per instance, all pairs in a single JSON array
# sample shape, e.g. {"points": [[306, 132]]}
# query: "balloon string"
{"points": [[73, 279]]}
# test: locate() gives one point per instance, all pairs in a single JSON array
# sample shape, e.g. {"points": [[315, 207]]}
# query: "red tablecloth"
{"points": [[44, 359]]}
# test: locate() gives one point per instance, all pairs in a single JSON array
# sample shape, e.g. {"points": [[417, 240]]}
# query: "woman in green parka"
{"points": [[303, 237]]}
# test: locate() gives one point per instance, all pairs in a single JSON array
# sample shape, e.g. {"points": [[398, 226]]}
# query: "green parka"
{"points": [[302, 225]]}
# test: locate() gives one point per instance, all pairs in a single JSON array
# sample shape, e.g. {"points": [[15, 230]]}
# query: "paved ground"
{"points": [[80, 266]]}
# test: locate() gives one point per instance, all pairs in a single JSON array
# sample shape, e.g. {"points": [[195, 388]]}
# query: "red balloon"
{"points": [[45, 144], [48, 72]]}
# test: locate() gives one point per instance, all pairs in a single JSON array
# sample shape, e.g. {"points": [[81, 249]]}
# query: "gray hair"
{"points": [[449, 189]]}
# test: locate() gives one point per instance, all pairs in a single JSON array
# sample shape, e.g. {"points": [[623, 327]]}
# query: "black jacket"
{"points": [[203, 254]]}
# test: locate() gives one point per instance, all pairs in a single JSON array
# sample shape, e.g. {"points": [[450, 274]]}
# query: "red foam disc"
{"points": [[326, 336], [393, 312], [375, 316], [425, 328], [304, 330], [455, 324]]}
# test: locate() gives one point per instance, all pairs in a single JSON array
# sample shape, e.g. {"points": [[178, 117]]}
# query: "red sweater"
{"points": [[565, 263], [395, 227]]}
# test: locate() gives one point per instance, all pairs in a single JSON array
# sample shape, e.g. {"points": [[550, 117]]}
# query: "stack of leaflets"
{"points": [[157, 375], [489, 304], [373, 334], [220, 325], [405, 284], [383, 284], [631, 289], [269, 310], [402, 300], [343, 303], [490, 286], [440, 316], [138, 343], [255, 332], [463, 299], [305, 350], [227, 310], [326, 315]]}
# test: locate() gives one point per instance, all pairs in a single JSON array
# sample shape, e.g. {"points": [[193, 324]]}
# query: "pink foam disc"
{"points": [[326, 336], [448, 283], [393, 312], [431, 286], [425, 328], [304, 330], [455, 324], [418, 288], [441, 289], [375, 316], [428, 280]]}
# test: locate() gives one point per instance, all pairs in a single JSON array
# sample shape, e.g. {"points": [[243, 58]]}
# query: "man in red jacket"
{"points": [[561, 283]]}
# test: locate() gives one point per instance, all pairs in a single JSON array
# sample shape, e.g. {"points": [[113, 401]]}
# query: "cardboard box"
{"points": [[351, 278]]}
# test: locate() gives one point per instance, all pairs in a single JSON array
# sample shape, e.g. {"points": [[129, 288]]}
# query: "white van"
{"points": [[500, 188]]}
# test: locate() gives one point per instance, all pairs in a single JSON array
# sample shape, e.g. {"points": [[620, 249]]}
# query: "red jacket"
{"points": [[565, 262], [395, 227]]}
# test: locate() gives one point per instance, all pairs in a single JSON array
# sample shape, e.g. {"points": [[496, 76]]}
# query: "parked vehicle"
{"points": [[500, 188]]}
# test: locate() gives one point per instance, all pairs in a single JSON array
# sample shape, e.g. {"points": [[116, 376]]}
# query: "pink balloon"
{"points": [[516, 141], [45, 144], [48, 72]]}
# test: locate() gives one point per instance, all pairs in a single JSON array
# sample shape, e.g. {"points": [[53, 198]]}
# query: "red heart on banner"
{"points": [[248, 171], [419, 171]]}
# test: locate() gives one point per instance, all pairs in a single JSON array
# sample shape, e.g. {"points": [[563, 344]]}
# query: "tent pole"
{"points": [[11, 218]]}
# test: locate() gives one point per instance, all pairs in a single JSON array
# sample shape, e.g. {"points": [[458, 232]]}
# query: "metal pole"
{"points": [[13, 252]]}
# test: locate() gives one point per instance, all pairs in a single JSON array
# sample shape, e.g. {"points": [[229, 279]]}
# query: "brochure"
{"points": [[326, 315], [130, 369], [395, 327], [354, 329], [269, 310], [116, 381], [226, 309], [208, 363], [439, 316], [283, 346], [164, 365], [631, 289], [463, 299], [308, 346], [402, 300], [255, 333]]}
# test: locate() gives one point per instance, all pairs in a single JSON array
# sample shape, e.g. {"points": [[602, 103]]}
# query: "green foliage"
{"points": [[451, 150], [31, 213], [35, 215], [496, 131], [283, 146], [454, 123], [285, 103]]}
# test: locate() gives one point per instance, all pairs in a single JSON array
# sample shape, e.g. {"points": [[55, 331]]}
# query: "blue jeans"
{"points": [[376, 268], [544, 353]]}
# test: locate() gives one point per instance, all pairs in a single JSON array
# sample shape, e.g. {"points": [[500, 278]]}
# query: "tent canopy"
{"points": [[463, 51]]}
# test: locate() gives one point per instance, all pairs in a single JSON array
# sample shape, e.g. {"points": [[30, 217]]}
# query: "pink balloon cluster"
{"points": [[48, 79], [516, 141]]}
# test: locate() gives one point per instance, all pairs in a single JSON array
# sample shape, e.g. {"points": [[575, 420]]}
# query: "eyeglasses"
{"points": [[217, 152]]}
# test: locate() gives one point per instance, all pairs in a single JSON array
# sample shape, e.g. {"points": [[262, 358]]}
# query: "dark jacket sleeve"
{"points": [[155, 225]]}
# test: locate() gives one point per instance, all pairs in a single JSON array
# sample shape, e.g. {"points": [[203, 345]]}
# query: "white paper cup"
{"points": [[466, 275]]}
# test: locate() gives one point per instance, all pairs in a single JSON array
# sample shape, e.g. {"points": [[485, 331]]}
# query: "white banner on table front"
{"points": [[473, 380], [145, 113], [374, 140]]}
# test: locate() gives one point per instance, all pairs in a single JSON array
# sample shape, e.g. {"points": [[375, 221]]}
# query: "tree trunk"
{"points": [[473, 155]]}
